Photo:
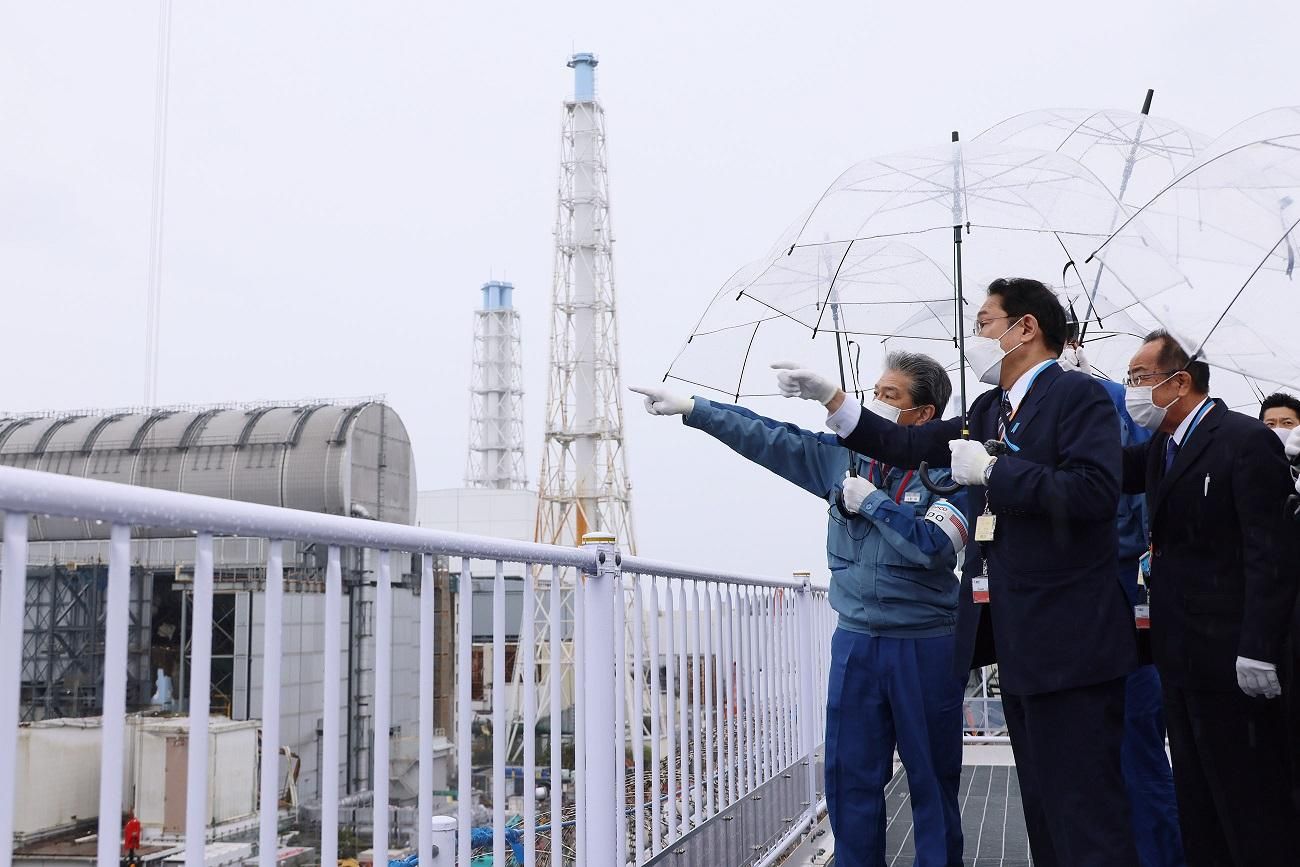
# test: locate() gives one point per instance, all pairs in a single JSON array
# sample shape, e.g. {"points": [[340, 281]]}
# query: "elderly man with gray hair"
{"points": [[892, 548]]}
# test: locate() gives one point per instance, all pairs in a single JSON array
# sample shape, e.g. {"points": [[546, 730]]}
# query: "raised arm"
{"points": [[812, 461], [903, 446]]}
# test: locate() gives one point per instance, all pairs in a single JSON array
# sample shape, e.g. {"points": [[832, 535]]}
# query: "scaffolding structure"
{"points": [[496, 418], [63, 645]]}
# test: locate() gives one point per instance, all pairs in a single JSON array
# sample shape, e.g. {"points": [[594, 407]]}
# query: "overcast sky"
{"points": [[342, 177]]}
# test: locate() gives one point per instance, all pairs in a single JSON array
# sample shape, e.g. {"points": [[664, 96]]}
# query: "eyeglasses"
{"points": [[978, 328], [1135, 379]]}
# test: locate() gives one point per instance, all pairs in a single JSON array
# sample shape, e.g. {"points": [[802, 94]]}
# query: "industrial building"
{"points": [[336, 458]]}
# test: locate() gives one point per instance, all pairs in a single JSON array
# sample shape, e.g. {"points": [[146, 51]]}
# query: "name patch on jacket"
{"points": [[944, 516]]}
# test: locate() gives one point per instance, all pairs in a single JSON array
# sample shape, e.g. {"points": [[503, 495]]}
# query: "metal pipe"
{"points": [[620, 711], [272, 620], [697, 700], [196, 786], [383, 711], [638, 719], [424, 806], [131, 505], [528, 674], [464, 781], [690, 573], [603, 764], [556, 675], [329, 770], [808, 710], [650, 585], [683, 722], [580, 701], [670, 707], [117, 624], [499, 715], [706, 629]]}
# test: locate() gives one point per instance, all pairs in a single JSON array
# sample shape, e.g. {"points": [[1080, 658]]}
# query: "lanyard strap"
{"points": [[1202, 413], [902, 486], [1033, 380]]}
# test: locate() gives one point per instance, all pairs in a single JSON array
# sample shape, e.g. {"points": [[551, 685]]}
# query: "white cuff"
{"points": [[845, 419]]}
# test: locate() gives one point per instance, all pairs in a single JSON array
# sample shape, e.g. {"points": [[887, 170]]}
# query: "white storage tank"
{"points": [[57, 776]]}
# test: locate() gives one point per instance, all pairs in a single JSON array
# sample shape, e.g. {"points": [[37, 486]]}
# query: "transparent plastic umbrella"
{"points": [[1134, 154], [885, 252], [1213, 257]]}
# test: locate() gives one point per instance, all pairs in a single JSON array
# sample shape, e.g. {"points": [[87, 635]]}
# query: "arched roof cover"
{"points": [[337, 459]]}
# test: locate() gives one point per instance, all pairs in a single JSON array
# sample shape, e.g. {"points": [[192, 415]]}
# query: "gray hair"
{"points": [[930, 382]]}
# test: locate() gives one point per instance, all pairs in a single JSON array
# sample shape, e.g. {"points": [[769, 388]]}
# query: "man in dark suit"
{"points": [[1041, 597], [1223, 587]]}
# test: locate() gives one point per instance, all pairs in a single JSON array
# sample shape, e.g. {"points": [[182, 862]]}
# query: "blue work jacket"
{"points": [[892, 567], [1131, 518]]}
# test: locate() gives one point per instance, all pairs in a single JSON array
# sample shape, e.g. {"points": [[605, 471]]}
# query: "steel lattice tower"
{"points": [[584, 482], [496, 419]]}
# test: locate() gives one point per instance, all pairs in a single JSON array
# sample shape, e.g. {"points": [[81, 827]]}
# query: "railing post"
{"points": [[13, 603], [808, 692], [442, 839], [603, 745]]}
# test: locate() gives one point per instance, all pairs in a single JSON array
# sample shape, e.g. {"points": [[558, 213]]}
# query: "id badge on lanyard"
{"points": [[1142, 610], [985, 527]]}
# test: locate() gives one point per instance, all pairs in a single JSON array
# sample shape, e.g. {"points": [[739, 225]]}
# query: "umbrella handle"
{"points": [[995, 448], [944, 488]]}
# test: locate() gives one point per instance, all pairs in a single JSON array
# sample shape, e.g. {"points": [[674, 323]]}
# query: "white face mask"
{"points": [[887, 411], [1283, 433], [985, 354], [1073, 359], [1142, 409]]}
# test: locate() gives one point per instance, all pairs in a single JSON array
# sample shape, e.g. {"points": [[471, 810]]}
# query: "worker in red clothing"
{"points": [[131, 836]]}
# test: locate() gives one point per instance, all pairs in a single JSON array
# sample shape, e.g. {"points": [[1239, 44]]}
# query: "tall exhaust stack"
{"points": [[584, 483], [496, 426]]}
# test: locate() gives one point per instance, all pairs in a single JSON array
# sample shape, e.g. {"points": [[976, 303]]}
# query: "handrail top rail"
{"points": [[646, 566], [43, 493]]}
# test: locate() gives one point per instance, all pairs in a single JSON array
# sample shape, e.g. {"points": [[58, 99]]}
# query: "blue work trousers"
{"points": [[885, 692], [1148, 779]]}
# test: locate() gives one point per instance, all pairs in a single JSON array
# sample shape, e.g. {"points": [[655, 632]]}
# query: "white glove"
{"points": [[795, 381], [661, 401], [969, 460], [1257, 678], [1293, 445], [856, 491]]}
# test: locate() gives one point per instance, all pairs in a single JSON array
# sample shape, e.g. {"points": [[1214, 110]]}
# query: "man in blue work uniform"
{"points": [[1148, 779], [892, 548]]}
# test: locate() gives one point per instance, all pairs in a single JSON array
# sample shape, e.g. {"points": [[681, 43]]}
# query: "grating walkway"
{"points": [[992, 820]]}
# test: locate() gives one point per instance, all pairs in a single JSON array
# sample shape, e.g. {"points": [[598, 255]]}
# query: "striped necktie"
{"points": [[1004, 416]]}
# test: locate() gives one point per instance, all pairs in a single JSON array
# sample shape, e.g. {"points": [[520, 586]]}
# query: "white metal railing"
{"points": [[740, 706]]}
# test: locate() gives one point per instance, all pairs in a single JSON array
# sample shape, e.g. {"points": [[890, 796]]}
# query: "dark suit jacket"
{"points": [[1223, 577], [1057, 617]]}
